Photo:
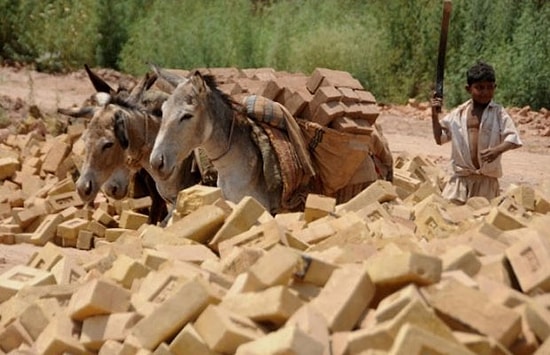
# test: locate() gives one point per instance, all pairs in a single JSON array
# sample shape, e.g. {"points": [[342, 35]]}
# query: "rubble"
{"points": [[394, 270]]}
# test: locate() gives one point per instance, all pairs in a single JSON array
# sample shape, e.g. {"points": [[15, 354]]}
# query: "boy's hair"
{"points": [[480, 72]]}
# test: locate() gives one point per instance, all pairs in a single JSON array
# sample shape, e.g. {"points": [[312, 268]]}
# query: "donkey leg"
{"points": [[158, 210]]}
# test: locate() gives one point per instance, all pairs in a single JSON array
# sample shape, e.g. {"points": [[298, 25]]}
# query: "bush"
{"points": [[390, 46], [55, 35]]}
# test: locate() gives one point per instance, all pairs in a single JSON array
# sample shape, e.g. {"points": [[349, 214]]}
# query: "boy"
{"points": [[480, 131]]}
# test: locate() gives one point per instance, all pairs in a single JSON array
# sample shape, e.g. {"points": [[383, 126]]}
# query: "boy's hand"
{"points": [[436, 101], [490, 154]]}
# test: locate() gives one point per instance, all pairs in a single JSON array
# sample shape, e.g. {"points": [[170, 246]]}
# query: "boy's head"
{"points": [[481, 83], [480, 72]]}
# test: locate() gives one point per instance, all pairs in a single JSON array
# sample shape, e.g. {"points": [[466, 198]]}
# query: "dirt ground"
{"points": [[407, 128]]}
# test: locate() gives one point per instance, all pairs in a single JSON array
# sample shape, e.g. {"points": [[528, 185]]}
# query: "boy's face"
{"points": [[482, 92]]}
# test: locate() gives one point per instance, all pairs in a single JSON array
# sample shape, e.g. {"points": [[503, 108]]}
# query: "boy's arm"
{"points": [[490, 154], [436, 104], [511, 139]]}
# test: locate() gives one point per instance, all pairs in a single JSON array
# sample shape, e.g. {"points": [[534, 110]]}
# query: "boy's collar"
{"points": [[471, 102]]}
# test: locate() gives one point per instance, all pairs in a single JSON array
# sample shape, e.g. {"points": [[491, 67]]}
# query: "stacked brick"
{"points": [[395, 270], [331, 98]]}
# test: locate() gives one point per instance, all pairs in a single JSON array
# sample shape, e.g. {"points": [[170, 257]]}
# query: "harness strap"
{"points": [[228, 146]]}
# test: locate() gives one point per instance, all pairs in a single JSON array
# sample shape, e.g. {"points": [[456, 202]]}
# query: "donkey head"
{"points": [[185, 124], [106, 138], [104, 154]]}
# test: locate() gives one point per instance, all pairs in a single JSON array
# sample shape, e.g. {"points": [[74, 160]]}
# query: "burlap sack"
{"points": [[264, 110], [338, 157]]}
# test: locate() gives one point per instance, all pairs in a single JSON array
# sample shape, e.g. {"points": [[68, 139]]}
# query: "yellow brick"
{"points": [[273, 305], [463, 258], [98, 297], [61, 201], [479, 313], [97, 228], [318, 206], [126, 269], [542, 205], [25, 217], [191, 253], [345, 296], [21, 276], [189, 342], [524, 196], [191, 198], [172, 315], [97, 330], [151, 236], [312, 323], [264, 237], [287, 340], [85, 240], [314, 270], [104, 218], [414, 340], [46, 257], [112, 234], [154, 289], [380, 190], [200, 225], [13, 336], [244, 215], [373, 212], [154, 258], [8, 167], [390, 306], [70, 228], [530, 260], [35, 319], [60, 337], [276, 267], [132, 220], [62, 186], [315, 233], [507, 216], [391, 272], [55, 156], [224, 331], [46, 230], [68, 271]]}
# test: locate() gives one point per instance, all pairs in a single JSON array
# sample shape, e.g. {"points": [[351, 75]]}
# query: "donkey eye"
{"points": [[185, 116], [107, 146]]}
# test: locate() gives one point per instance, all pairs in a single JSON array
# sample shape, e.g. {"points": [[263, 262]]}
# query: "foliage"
{"points": [[390, 46], [55, 34], [193, 34]]}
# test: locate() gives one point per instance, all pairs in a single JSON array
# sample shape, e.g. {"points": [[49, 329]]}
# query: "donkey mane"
{"points": [[211, 82], [124, 103]]}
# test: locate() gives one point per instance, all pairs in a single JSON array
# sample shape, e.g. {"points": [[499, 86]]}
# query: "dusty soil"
{"points": [[407, 128]]}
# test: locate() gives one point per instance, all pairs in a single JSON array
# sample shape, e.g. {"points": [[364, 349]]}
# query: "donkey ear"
{"points": [[170, 78], [121, 132], [99, 84], [82, 112], [136, 96], [198, 81]]}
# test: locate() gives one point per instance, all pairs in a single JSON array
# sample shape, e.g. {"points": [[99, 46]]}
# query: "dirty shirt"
{"points": [[496, 127]]}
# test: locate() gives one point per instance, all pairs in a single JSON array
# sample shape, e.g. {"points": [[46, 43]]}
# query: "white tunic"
{"points": [[496, 127]]}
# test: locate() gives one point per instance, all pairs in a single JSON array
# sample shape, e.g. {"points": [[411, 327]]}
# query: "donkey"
{"points": [[121, 134], [199, 114]]}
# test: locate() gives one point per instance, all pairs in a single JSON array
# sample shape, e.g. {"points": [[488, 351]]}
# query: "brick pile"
{"points": [[395, 270]]}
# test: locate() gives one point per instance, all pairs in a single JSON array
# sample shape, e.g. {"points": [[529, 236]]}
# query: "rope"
{"points": [[228, 141]]}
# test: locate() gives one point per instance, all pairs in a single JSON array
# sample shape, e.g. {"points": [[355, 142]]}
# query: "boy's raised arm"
{"points": [[436, 103]]}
